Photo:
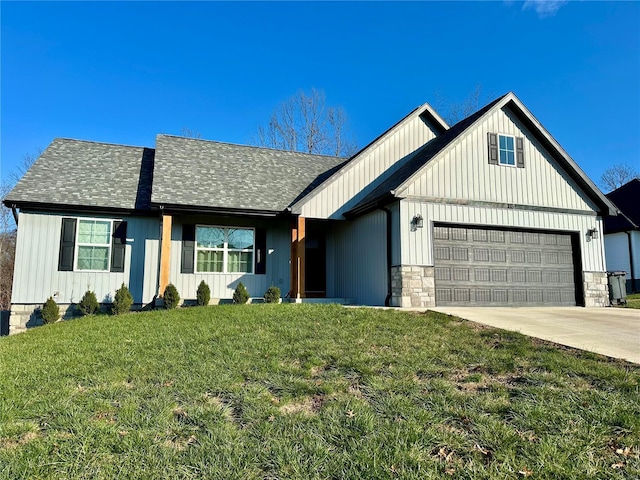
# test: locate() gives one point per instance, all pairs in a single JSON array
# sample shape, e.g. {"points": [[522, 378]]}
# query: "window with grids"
{"points": [[507, 150], [94, 245], [224, 249]]}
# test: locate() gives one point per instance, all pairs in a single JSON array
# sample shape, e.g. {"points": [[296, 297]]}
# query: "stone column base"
{"points": [[596, 289], [412, 286]]}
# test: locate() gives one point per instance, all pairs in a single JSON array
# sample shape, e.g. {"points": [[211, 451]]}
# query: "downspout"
{"points": [[387, 301], [15, 213], [632, 272]]}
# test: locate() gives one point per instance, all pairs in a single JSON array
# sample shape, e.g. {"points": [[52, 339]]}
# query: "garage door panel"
{"points": [[482, 266]]}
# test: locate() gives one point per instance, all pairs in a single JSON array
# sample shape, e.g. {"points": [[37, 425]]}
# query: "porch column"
{"points": [[298, 258], [165, 254]]}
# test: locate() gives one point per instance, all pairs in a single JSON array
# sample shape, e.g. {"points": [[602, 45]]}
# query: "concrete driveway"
{"points": [[614, 332]]}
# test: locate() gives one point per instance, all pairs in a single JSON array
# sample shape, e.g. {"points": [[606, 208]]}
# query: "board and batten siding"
{"points": [[357, 178], [462, 171], [616, 247], [357, 259], [417, 246], [222, 285], [36, 276]]}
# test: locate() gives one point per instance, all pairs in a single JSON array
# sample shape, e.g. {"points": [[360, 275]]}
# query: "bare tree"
{"points": [[453, 111], [304, 123], [8, 233], [190, 133], [617, 175]]}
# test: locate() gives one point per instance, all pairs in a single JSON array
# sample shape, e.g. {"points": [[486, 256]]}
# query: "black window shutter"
{"points": [[67, 245], [520, 152], [188, 248], [493, 148], [118, 246], [261, 251]]}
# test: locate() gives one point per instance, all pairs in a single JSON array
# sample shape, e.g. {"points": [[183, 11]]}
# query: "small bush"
{"points": [[50, 311], [272, 295], [89, 304], [203, 294], [122, 301], [241, 295], [171, 297]]}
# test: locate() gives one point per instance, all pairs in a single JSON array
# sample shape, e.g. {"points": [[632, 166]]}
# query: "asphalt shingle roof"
{"points": [[200, 173], [627, 199], [88, 174]]}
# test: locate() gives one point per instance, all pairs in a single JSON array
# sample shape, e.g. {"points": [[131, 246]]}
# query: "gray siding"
{"points": [[462, 171], [222, 285], [417, 247], [36, 275], [356, 260], [356, 179]]}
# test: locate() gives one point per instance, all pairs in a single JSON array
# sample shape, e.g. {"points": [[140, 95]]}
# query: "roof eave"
{"points": [[223, 211]]}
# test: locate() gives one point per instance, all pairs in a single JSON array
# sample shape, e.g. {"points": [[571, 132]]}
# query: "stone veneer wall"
{"points": [[596, 289], [26, 316], [412, 286]]}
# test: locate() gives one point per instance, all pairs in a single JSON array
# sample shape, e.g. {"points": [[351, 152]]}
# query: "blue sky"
{"points": [[122, 72]]}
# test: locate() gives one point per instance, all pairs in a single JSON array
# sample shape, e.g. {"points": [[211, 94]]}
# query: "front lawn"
{"points": [[304, 391], [633, 300]]}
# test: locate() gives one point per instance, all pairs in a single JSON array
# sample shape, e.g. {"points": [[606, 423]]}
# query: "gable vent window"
{"points": [[506, 150]]}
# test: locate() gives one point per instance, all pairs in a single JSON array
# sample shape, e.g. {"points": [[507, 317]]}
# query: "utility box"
{"points": [[617, 287]]}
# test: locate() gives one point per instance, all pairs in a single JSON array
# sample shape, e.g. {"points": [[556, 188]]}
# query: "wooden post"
{"points": [[165, 254], [298, 258]]}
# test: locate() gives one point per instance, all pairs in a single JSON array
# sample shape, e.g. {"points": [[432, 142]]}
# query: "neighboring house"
{"points": [[490, 211], [622, 234]]}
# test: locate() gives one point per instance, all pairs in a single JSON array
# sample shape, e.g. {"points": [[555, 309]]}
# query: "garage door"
{"points": [[482, 266]]}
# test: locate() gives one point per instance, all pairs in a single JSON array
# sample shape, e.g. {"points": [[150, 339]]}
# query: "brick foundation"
{"points": [[412, 286]]}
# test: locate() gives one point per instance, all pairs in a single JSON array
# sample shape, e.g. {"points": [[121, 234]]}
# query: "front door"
{"points": [[315, 268]]}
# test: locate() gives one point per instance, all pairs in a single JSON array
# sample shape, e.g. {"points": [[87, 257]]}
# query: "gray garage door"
{"points": [[480, 266]]}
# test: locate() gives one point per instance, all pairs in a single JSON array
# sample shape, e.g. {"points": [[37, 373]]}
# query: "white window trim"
{"points": [[225, 250], [515, 160], [78, 245]]}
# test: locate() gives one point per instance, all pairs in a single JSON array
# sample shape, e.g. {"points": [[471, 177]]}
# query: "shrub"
{"points": [[203, 294], [171, 297], [272, 295], [89, 303], [50, 311], [241, 295], [122, 301]]}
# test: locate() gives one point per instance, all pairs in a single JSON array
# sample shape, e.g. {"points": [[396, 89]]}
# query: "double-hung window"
{"points": [[93, 245], [224, 249], [507, 150]]}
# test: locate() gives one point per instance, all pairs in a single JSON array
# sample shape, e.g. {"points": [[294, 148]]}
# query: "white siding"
{"points": [[357, 259], [36, 275], [222, 285], [417, 246], [462, 171], [355, 180], [616, 248]]}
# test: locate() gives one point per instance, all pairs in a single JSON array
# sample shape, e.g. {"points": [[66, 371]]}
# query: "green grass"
{"points": [[633, 300], [303, 391]]}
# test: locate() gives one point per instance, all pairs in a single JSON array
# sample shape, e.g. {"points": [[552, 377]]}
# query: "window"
{"points": [[94, 244], [507, 150], [224, 249]]}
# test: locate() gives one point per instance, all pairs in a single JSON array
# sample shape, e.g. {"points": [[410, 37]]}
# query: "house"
{"points": [[622, 234], [490, 211]]}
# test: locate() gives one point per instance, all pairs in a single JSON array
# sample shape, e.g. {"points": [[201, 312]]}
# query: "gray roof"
{"points": [[212, 175], [87, 174]]}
